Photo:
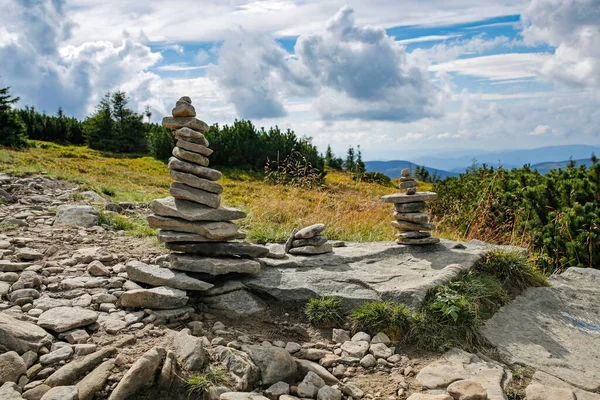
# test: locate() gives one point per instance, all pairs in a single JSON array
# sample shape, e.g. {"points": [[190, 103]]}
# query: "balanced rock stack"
{"points": [[409, 217], [192, 223], [308, 241]]}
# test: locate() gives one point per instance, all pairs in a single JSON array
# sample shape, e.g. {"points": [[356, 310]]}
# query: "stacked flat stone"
{"points": [[410, 220], [192, 222], [308, 241]]}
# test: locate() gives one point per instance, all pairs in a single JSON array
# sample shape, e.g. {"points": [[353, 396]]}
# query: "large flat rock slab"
{"points": [[366, 271], [62, 319], [554, 329]]}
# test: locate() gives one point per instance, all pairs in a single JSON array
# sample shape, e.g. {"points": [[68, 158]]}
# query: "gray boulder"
{"points": [[93, 382], [244, 372], [62, 319], [160, 297], [305, 366], [329, 393], [76, 215], [21, 336], [141, 374], [189, 350], [275, 363], [276, 390], [10, 391], [12, 367], [61, 393]]}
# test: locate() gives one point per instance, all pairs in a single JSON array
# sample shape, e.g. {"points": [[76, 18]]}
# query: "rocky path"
{"points": [[65, 333]]}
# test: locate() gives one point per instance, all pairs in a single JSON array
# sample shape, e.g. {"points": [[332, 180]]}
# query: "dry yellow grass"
{"points": [[351, 210]]}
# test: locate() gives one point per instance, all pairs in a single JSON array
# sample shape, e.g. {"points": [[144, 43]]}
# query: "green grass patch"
{"points": [[198, 384], [512, 269], [324, 311], [452, 314], [133, 226], [382, 316]]}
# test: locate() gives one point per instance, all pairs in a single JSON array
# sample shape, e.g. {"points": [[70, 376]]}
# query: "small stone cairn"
{"points": [[409, 217], [308, 241], [192, 224]]}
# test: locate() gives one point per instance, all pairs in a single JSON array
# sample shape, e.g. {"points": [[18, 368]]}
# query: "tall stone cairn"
{"points": [[410, 220], [192, 223]]}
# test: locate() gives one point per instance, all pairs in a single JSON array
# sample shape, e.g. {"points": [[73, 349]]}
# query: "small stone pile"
{"points": [[308, 241], [409, 217], [191, 223]]}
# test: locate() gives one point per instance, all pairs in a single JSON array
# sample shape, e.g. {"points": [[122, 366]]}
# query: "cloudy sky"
{"points": [[399, 78]]}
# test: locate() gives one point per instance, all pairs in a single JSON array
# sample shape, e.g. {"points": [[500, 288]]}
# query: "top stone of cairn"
{"points": [[184, 116], [184, 108]]}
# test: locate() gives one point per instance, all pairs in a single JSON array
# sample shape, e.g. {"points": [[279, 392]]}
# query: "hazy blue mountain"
{"points": [[544, 168], [393, 168], [507, 158]]}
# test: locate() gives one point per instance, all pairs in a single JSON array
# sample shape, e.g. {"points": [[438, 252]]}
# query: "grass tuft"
{"points": [[382, 316], [512, 269], [324, 310], [133, 226], [198, 384]]}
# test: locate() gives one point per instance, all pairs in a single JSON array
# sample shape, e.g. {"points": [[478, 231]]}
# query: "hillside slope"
{"points": [[351, 210]]}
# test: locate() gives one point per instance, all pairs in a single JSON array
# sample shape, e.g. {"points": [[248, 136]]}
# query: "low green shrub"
{"points": [[372, 177], [512, 269], [198, 384], [382, 316], [324, 310]]}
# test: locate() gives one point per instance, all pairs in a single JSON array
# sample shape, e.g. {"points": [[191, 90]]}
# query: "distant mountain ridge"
{"points": [[394, 168], [544, 168], [508, 158], [543, 159]]}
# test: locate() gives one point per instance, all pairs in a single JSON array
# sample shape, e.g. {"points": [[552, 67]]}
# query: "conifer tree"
{"points": [[13, 132], [359, 165], [115, 127], [328, 157], [349, 164]]}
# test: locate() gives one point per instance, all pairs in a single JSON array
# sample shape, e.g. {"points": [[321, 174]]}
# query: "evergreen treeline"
{"points": [[556, 215], [59, 129], [243, 145], [114, 127]]}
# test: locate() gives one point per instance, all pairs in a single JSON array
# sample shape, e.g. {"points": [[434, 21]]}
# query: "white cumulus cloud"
{"points": [[573, 28]]}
